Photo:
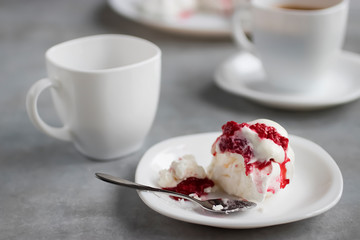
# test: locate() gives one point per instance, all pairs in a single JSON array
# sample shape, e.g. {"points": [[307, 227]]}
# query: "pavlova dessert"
{"points": [[182, 9], [168, 9], [185, 176], [252, 161]]}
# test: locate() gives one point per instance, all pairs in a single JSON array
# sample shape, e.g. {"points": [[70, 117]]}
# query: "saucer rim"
{"points": [[282, 101]]}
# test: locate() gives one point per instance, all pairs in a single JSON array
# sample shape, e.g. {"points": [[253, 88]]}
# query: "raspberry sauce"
{"points": [[229, 143], [192, 185]]}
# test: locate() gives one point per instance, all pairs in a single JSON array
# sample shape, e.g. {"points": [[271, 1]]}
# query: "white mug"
{"points": [[296, 40], [105, 89]]}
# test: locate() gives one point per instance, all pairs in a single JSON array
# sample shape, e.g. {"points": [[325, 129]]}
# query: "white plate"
{"points": [[316, 187], [199, 24], [243, 75]]}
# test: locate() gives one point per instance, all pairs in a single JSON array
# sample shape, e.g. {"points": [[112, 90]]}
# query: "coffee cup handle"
{"points": [[239, 34], [33, 94]]}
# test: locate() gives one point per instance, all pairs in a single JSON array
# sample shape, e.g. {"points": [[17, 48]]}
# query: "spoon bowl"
{"points": [[218, 205]]}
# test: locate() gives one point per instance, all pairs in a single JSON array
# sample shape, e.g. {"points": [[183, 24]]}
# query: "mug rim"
{"points": [[327, 10], [154, 57]]}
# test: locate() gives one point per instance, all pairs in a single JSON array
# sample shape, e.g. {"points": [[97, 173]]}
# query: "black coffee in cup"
{"points": [[299, 7]]}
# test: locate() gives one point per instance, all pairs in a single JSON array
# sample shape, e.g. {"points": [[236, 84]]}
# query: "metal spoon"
{"points": [[219, 205]]}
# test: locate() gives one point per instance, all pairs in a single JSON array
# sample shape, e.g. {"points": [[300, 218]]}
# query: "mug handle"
{"points": [[33, 94], [239, 33]]}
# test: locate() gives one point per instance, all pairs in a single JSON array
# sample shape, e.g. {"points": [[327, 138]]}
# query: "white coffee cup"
{"points": [[105, 89], [295, 46]]}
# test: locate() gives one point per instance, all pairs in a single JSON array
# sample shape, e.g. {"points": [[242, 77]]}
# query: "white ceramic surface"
{"points": [[295, 46], [105, 89], [243, 75], [199, 24], [317, 185]]}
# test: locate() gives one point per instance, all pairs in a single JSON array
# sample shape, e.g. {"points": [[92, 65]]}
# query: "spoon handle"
{"points": [[122, 182]]}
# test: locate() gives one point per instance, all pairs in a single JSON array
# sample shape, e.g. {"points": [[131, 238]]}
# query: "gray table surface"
{"points": [[48, 190]]}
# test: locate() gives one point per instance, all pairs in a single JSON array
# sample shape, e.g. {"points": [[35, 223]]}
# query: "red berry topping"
{"points": [[192, 185]]}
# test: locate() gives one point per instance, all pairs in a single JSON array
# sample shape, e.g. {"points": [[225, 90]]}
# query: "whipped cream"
{"points": [[178, 9], [168, 9]]}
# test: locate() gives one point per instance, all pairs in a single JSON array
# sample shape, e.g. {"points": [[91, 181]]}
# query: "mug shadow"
{"points": [[55, 153]]}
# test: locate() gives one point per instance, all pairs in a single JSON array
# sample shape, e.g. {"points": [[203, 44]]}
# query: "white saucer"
{"points": [[243, 75], [199, 24], [316, 187]]}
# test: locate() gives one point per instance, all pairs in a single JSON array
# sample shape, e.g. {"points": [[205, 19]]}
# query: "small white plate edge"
{"points": [[214, 221]]}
